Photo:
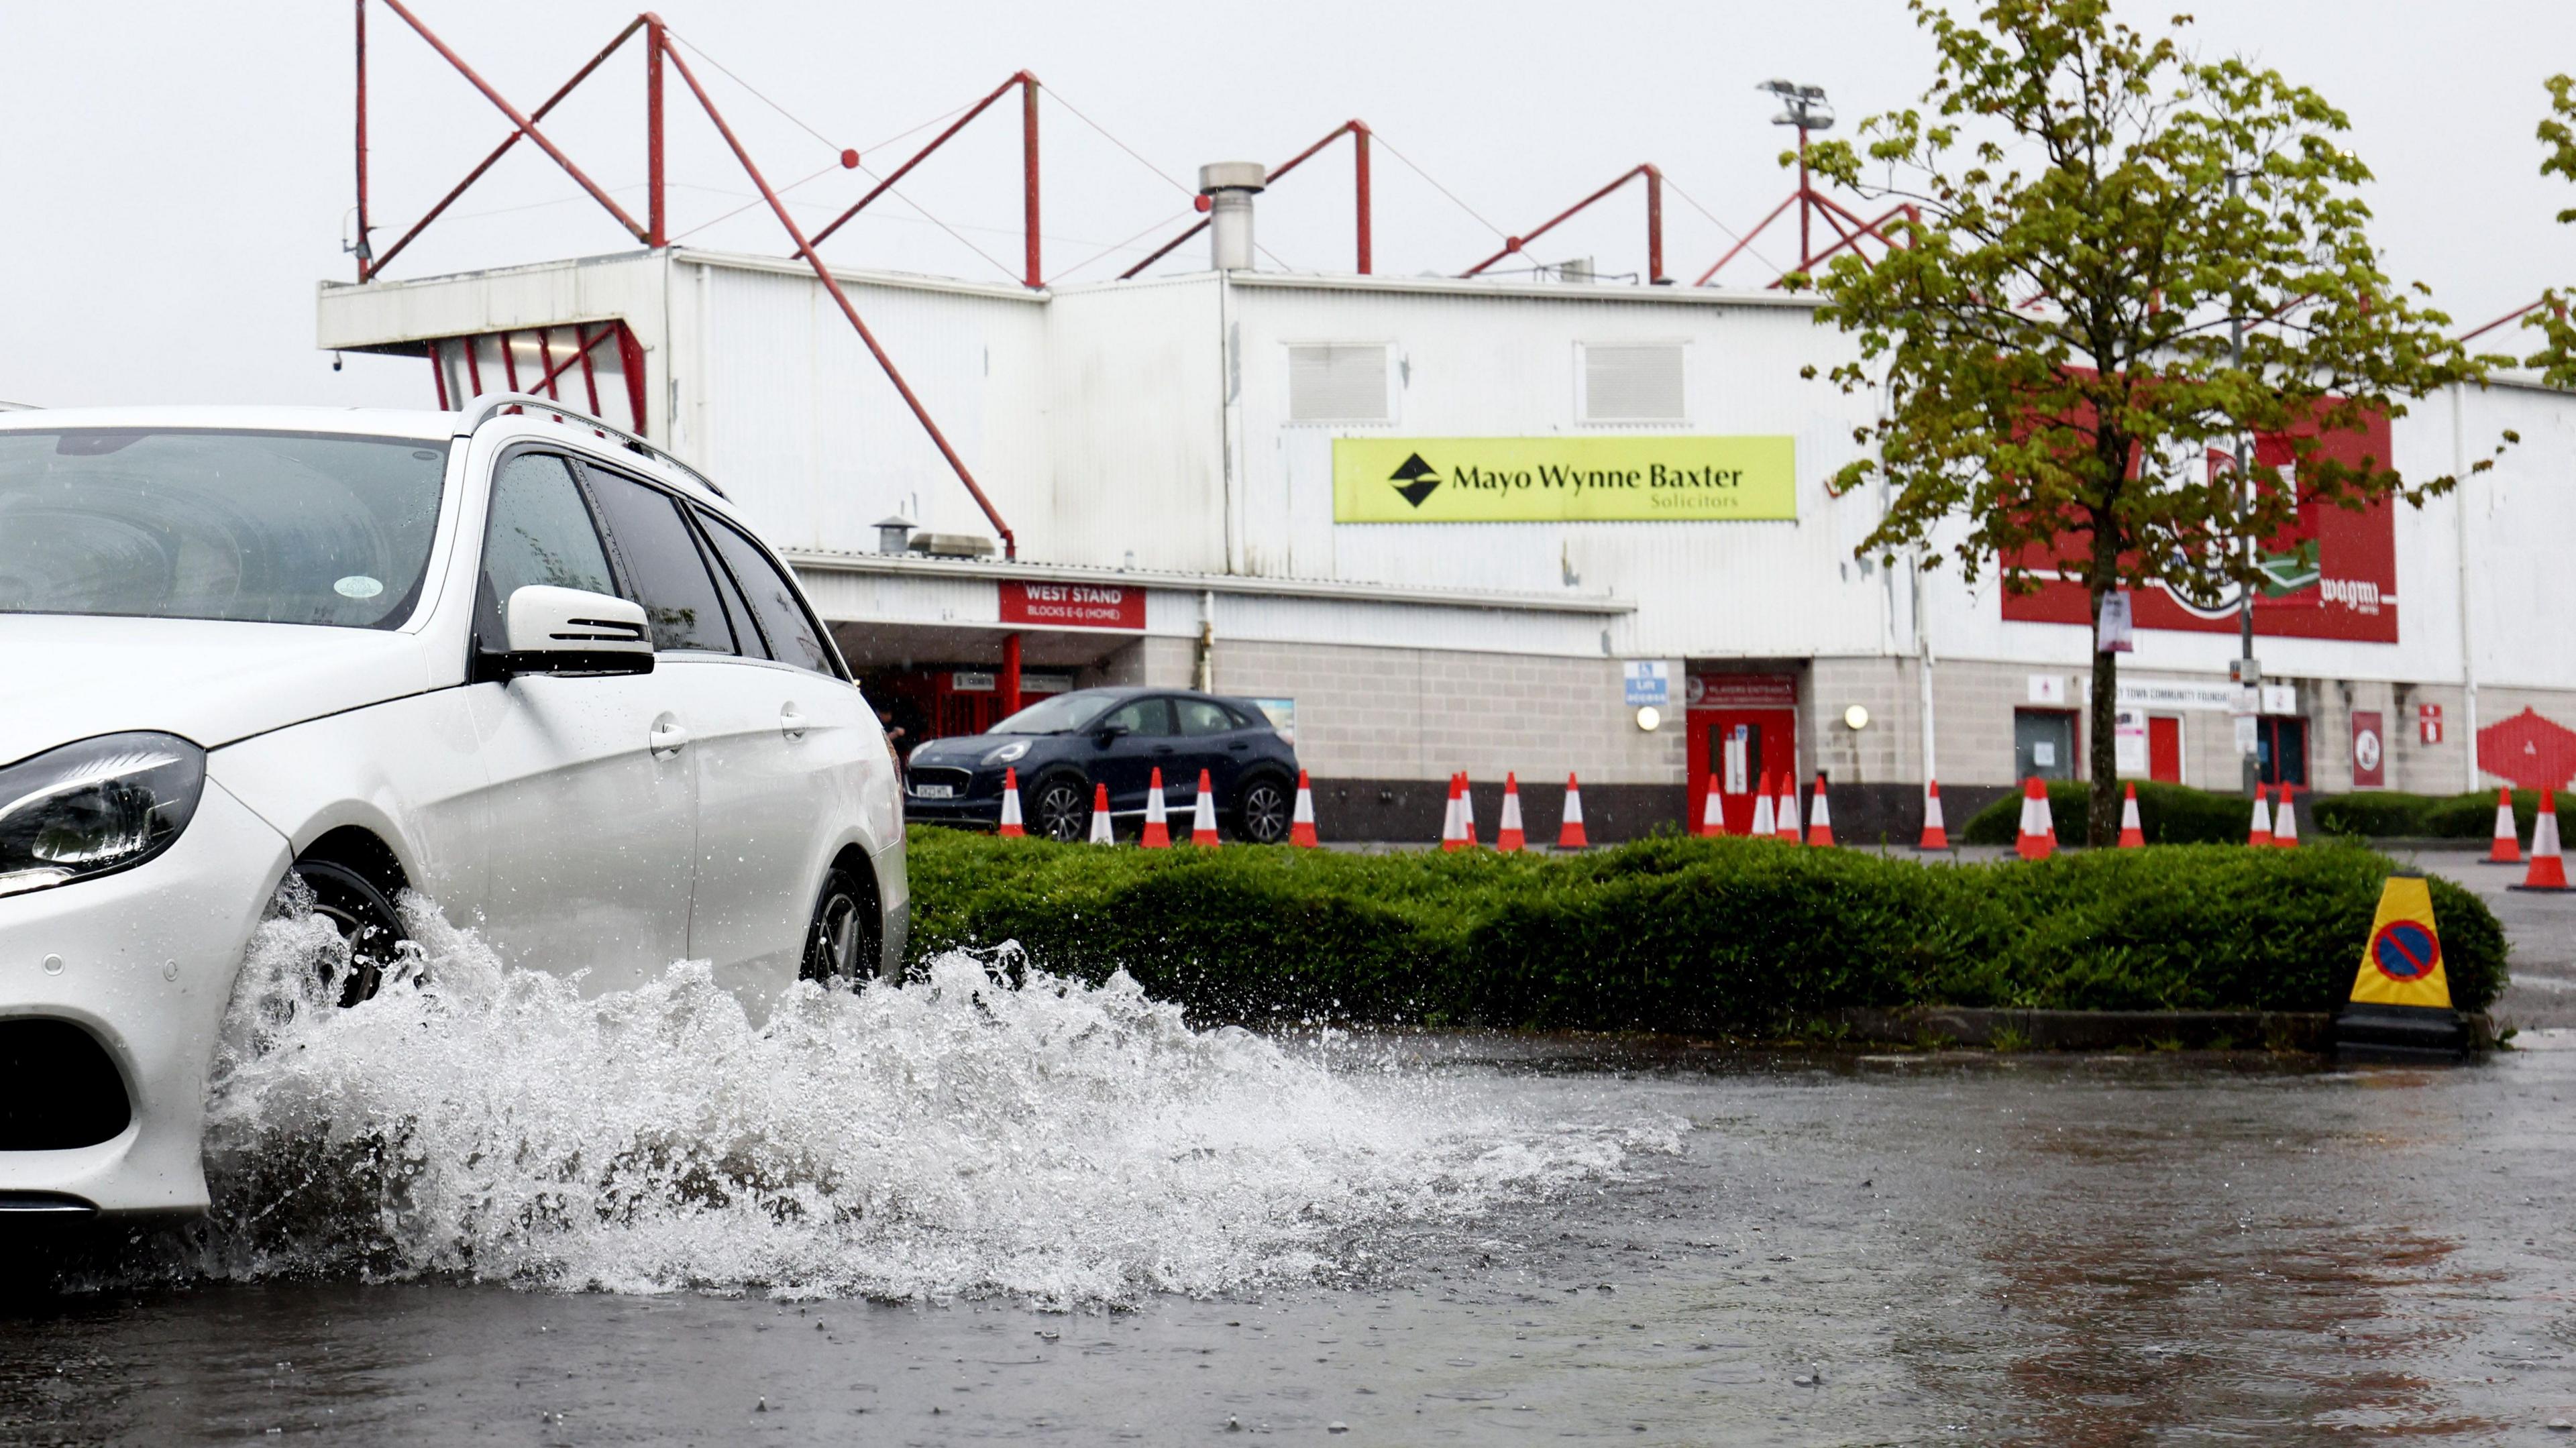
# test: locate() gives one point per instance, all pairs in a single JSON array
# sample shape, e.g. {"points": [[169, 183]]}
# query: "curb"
{"points": [[2310, 1031]]}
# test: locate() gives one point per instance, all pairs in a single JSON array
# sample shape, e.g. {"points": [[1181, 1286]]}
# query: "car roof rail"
{"points": [[483, 409]]}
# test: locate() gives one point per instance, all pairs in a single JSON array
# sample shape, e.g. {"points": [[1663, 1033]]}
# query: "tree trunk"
{"points": [[2102, 754]]}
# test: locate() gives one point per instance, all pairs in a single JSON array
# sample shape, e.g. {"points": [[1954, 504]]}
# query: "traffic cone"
{"points": [[1203, 814], [1936, 835], [1712, 810], [2038, 839], [1301, 825], [1466, 809], [2508, 840], [2285, 823], [1569, 835], [1011, 824], [1784, 815], [2261, 832], [1453, 829], [1100, 816], [1507, 835], [2548, 871], [1820, 820], [2132, 835], [1764, 822], [1158, 825]]}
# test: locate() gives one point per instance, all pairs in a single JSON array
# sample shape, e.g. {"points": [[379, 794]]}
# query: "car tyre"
{"points": [[1263, 810], [359, 909], [842, 942], [1060, 809]]}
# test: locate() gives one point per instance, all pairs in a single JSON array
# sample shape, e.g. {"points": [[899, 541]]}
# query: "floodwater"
{"points": [[493, 1211]]}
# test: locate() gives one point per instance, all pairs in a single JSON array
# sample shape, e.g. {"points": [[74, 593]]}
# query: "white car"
{"points": [[511, 658]]}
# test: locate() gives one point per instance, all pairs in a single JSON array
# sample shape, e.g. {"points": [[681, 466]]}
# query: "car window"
{"points": [[746, 628], [793, 636], [667, 573], [540, 532], [1205, 716], [1145, 717]]}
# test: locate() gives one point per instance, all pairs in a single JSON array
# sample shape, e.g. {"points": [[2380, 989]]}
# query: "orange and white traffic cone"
{"points": [[2133, 836], [1936, 834], [1301, 825], [1569, 834], [2038, 838], [1820, 820], [1203, 814], [1158, 822], [1784, 815], [2548, 871], [1712, 814], [1100, 834], [2508, 841], [1453, 828], [1765, 822], [1467, 809], [1508, 836], [2285, 822], [2260, 834], [1012, 826]]}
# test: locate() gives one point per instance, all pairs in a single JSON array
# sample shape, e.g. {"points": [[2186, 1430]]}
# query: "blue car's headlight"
{"points": [[1008, 752], [95, 807]]}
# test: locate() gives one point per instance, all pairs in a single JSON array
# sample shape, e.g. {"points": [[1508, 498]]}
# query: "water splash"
{"points": [[1047, 1138]]}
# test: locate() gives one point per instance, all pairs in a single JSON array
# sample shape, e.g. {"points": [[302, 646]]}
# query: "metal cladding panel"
{"points": [[1137, 397], [847, 597], [1272, 617], [1506, 365], [783, 405], [2521, 520]]}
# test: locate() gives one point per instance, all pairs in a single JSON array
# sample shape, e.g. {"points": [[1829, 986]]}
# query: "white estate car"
{"points": [[510, 658]]}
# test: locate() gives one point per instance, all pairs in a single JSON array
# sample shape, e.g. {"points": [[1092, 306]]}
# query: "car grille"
{"points": [[956, 779], [58, 1088]]}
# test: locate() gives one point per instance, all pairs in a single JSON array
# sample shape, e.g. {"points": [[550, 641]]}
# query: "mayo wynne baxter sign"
{"points": [[1609, 479]]}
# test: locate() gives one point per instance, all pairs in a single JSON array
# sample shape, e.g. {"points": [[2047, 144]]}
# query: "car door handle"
{"points": [[1240, 745], [791, 721], [668, 736], [1162, 749]]}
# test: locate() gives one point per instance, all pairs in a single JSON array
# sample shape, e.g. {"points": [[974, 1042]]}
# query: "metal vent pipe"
{"points": [[1229, 187]]}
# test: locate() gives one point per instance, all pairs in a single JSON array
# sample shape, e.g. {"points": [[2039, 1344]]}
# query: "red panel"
{"points": [[2164, 748], [1742, 691], [2369, 750], [2352, 596], [2530, 749], [1073, 605]]}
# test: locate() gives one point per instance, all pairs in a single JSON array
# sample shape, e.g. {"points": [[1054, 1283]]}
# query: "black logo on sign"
{"points": [[1415, 480]]}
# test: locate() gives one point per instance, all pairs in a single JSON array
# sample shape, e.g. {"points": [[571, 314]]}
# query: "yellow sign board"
{"points": [[2402, 964], [1621, 478]]}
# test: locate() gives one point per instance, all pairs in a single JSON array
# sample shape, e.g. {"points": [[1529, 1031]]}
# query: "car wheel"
{"points": [[1262, 811], [1061, 810], [364, 917], [841, 943]]}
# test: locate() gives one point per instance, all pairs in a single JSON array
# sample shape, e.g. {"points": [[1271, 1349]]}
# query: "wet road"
{"points": [[1839, 1250]]}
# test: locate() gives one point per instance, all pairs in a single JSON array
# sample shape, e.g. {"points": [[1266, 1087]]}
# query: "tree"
{"points": [[2098, 208], [2557, 357]]}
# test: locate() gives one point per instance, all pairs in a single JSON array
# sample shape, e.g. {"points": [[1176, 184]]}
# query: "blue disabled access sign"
{"points": [[1650, 681]]}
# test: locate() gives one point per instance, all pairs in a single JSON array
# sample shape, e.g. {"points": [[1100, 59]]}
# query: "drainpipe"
{"points": [[1206, 683], [2468, 647], [1923, 672]]}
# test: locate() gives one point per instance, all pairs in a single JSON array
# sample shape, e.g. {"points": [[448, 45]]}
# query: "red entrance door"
{"points": [[1742, 726], [2164, 748]]}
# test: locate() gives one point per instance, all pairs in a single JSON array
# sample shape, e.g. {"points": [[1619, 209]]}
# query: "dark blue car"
{"points": [[1063, 746]]}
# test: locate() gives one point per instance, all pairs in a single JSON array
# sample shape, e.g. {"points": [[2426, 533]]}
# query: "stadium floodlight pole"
{"points": [[1805, 107]]}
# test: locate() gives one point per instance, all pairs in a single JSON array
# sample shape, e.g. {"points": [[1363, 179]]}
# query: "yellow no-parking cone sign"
{"points": [[2400, 1008]]}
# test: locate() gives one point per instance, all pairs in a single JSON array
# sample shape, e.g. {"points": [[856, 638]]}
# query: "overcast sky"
{"points": [[178, 176]]}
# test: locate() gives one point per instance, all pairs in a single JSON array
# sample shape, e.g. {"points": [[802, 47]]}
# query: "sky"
{"points": [[177, 178]]}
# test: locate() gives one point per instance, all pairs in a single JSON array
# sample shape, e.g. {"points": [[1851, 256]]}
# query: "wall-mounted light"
{"points": [[1855, 718], [1649, 718]]}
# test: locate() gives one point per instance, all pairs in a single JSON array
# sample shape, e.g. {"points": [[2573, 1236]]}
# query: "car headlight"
{"points": [[95, 807], [1008, 752]]}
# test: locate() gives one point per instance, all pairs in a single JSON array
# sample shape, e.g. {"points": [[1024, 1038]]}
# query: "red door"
{"points": [[1741, 727], [2164, 748]]}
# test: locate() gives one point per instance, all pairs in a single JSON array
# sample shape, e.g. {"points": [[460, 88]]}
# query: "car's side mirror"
{"points": [[574, 631], [1108, 734]]}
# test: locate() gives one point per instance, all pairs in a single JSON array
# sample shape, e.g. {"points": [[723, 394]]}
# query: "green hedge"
{"points": [[1722, 936], [2170, 814]]}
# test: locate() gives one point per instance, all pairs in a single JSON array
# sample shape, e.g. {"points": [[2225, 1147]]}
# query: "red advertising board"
{"points": [[1073, 605], [1741, 691], [2330, 575], [2369, 750]]}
